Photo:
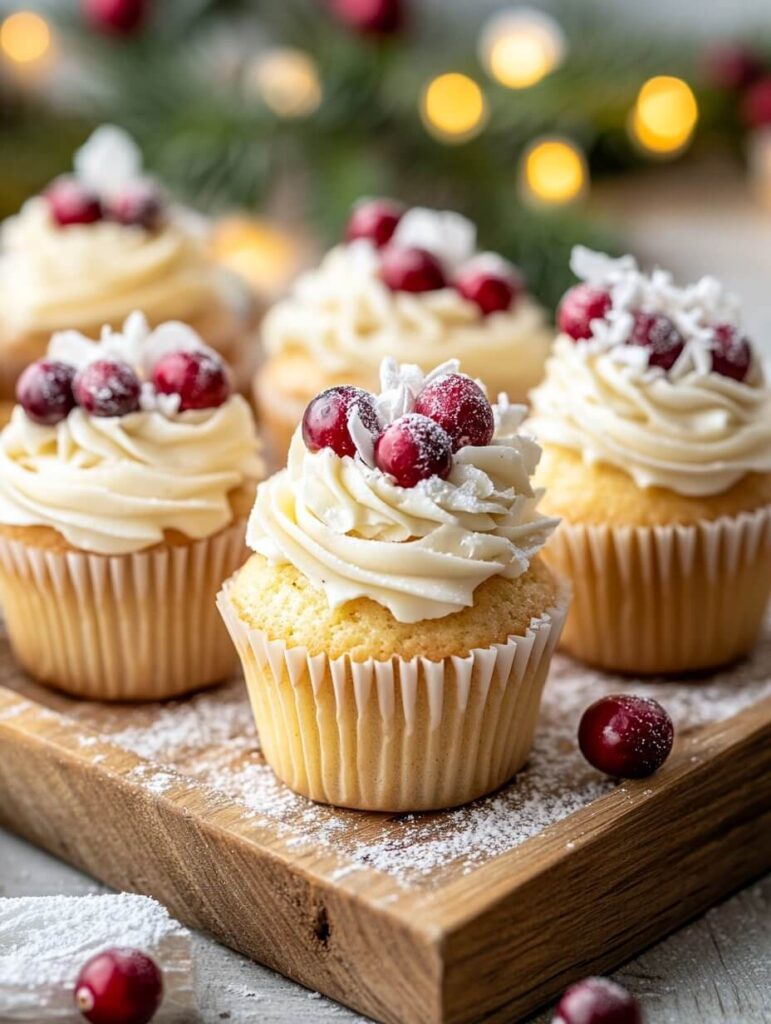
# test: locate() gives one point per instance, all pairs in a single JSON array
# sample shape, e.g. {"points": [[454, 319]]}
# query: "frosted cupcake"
{"points": [[395, 622], [655, 420], [101, 243], [126, 476], [408, 284]]}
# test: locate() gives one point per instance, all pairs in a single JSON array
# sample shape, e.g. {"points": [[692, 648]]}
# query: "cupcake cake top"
{"points": [[116, 441], [101, 242], [412, 498], [409, 284], [655, 379]]}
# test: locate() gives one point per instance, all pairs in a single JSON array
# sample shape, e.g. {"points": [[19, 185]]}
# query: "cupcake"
{"points": [[655, 423], [127, 473], [408, 284], [395, 623], [101, 243]]}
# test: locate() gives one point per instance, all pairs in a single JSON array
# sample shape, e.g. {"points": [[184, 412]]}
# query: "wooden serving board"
{"points": [[479, 914]]}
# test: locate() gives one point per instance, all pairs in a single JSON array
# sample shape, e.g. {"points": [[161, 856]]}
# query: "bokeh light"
{"points": [[554, 171], [265, 256], [288, 82], [25, 37], [454, 107], [521, 46], [664, 116]]}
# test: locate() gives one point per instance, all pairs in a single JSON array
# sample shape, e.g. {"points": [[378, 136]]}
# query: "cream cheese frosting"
{"points": [[114, 485], [347, 320], [690, 430], [422, 551]]}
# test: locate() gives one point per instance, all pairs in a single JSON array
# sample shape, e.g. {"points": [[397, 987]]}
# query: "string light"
{"points": [[262, 254], [288, 82], [521, 46], [554, 171], [664, 115], [25, 37], [454, 107]]}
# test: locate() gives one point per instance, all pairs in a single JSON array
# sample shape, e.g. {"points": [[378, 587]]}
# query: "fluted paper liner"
{"points": [[664, 599], [396, 735], [130, 627]]}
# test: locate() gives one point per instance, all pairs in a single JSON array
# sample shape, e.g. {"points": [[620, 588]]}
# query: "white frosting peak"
{"points": [[108, 161], [449, 236]]}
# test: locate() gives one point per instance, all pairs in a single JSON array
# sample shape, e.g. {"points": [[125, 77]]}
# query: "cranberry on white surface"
{"points": [[414, 448], [44, 391], [107, 388], [579, 306], [325, 421], [731, 353], [375, 219], [71, 203], [138, 204], [460, 407], [493, 291], [199, 377], [659, 334], [411, 270], [626, 737], [119, 986]]}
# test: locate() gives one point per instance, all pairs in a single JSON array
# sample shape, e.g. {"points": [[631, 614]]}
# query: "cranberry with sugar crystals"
{"points": [[626, 737], [44, 391], [492, 291], [375, 219], [107, 388], [119, 986], [199, 377], [597, 1001], [139, 204], [657, 333], [325, 422], [411, 270], [460, 407], [731, 353], [579, 306], [72, 203], [414, 448]]}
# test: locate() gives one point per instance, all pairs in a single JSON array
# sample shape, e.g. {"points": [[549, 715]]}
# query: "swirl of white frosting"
{"points": [[421, 551], [696, 434]]}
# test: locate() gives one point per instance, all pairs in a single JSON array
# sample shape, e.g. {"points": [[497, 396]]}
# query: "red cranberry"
{"points": [[731, 65], [580, 305], [72, 203], [460, 407], [44, 391], [376, 17], [119, 986], [411, 270], [492, 292], [414, 448], [138, 204], [731, 353], [116, 17], [375, 219], [756, 103], [325, 422], [624, 736], [107, 388], [660, 336], [200, 379], [598, 1001]]}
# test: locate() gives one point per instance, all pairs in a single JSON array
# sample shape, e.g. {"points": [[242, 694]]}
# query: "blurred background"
{"points": [[643, 127]]}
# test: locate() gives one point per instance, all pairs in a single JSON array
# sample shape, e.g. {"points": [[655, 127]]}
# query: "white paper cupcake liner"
{"points": [[665, 599], [396, 735]]}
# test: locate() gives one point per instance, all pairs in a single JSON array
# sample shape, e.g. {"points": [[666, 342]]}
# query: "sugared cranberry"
{"points": [[731, 353], [139, 204], [660, 336], [492, 291], [460, 407], [579, 306], [414, 448], [107, 388], [44, 391], [411, 270], [626, 737], [598, 1001], [375, 219], [200, 378], [119, 986], [325, 422], [72, 203]]}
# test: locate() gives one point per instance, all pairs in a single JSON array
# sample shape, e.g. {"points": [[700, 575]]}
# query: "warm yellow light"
{"points": [[520, 47], [454, 108], [25, 37], [260, 253], [288, 81], [554, 171], [664, 115]]}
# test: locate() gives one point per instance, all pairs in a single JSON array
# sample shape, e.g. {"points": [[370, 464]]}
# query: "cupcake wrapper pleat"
{"points": [[396, 735], [130, 627], [664, 599]]}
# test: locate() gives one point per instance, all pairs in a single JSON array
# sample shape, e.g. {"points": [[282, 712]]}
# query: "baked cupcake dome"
{"points": [[655, 420], [395, 623], [408, 284], [126, 475]]}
